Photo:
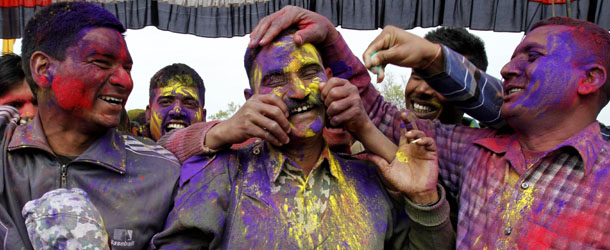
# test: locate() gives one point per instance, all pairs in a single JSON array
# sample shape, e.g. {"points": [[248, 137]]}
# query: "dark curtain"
{"points": [[238, 20]]}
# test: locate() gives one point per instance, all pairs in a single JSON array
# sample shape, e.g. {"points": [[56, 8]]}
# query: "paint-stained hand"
{"points": [[313, 27], [262, 116], [344, 106], [414, 170], [399, 47]]}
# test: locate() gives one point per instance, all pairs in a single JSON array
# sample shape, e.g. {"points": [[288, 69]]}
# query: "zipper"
{"points": [[64, 173]]}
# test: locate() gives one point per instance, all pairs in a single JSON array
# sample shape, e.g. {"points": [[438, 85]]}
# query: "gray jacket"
{"points": [[130, 181]]}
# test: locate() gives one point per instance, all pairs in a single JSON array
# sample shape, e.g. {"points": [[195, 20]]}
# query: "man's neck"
{"points": [[546, 136], [304, 152], [65, 135]]}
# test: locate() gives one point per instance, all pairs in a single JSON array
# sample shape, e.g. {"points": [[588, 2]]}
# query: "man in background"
{"points": [[14, 90], [177, 100]]}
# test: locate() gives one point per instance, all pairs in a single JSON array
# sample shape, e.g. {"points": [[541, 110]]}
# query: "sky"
{"points": [[219, 61]]}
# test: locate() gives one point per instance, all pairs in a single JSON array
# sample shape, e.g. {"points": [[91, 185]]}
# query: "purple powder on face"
{"points": [[316, 126]]}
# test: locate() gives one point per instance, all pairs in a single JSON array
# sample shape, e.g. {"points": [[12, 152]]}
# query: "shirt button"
{"points": [[507, 231], [525, 185], [256, 151]]}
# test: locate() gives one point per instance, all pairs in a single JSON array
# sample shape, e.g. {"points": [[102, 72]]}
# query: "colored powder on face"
{"points": [[72, 94], [314, 87], [315, 128], [401, 157]]}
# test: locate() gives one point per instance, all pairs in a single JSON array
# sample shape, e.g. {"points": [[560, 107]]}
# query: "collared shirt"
{"points": [[130, 182], [560, 200], [257, 198]]}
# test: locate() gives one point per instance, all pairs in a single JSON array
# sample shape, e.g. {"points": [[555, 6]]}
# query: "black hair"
{"points": [[11, 74], [463, 42]]}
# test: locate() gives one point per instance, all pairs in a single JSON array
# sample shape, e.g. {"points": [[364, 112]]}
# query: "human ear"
{"points": [[594, 79], [248, 93], [148, 114], [39, 68]]}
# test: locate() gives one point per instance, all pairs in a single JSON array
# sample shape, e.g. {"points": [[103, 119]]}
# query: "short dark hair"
{"points": [[58, 26], [251, 54], [461, 41], [590, 37], [11, 73], [176, 71]]}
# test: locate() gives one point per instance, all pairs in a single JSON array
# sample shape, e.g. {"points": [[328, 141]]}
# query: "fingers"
{"points": [[419, 138], [269, 130], [275, 109], [378, 44]]}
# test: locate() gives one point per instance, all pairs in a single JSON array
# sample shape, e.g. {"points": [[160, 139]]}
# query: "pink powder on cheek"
{"points": [[71, 94]]}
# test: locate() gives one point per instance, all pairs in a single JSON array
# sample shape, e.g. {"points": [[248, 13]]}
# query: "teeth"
{"points": [[112, 99], [514, 90], [301, 109], [421, 108], [175, 125]]}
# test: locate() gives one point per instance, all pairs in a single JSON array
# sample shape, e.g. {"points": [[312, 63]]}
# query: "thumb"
{"points": [[306, 35]]}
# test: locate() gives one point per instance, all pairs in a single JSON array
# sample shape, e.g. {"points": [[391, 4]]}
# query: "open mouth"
{"points": [[424, 108], [302, 108], [112, 100], [175, 125], [513, 90]]}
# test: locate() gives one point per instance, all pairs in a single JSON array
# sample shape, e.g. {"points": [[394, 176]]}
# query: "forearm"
{"points": [[188, 142], [376, 142], [431, 228]]}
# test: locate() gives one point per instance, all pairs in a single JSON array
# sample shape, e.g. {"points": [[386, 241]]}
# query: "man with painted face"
{"points": [[423, 100], [14, 90], [524, 188], [300, 194], [177, 98], [78, 64]]}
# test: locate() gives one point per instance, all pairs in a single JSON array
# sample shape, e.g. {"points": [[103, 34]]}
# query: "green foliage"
{"points": [[393, 89], [224, 114]]}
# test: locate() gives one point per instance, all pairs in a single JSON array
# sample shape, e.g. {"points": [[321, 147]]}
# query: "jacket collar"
{"points": [[588, 143], [275, 160], [107, 151]]}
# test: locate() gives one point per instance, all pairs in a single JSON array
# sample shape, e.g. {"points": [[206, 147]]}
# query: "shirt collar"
{"points": [[275, 161], [107, 151], [588, 143]]}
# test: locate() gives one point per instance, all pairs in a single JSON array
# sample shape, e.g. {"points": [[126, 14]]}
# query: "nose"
{"points": [[297, 89], [177, 111], [122, 78], [511, 69]]}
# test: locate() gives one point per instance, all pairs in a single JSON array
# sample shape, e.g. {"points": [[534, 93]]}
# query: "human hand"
{"points": [[313, 27], [262, 116], [344, 106], [398, 47], [414, 170]]}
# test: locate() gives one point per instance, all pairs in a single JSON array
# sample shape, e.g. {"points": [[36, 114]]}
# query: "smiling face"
{"points": [[294, 74], [177, 105], [426, 103], [93, 82], [22, 99], [541, 79]]}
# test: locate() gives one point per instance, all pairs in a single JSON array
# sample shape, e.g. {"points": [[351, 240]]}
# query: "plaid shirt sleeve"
{"points": [[472, 90]]}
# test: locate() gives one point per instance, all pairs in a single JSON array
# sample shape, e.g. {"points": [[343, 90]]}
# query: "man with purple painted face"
{"points": [[542, 184], [177, 99], [297, 193], [78, 66]]}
